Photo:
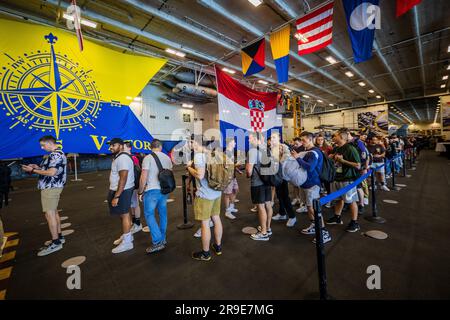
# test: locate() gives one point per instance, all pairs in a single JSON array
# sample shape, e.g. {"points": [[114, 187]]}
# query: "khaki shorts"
{"points": [[205, 209], [50, 199]]}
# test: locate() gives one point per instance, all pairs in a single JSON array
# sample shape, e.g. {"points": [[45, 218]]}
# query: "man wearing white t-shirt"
{"points": [[150, 193], [121, 187]]}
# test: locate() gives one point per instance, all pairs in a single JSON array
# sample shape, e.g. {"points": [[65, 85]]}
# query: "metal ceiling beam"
{"points": [[105, 20], [428, 110], [415, 111], [211, 4], [207, 36], [388, 67], [419, 47]]}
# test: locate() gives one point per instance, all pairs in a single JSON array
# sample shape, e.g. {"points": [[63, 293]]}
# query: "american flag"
{"points": [[315, 30]]}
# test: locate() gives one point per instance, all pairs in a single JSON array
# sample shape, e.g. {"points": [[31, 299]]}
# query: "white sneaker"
{"points": [[118, 241], [123, 246], [302, 209], [326, 237], [295, 201], [366, 201], [279, 217], [291, 222], [236, 200], [229, 215], [384, 188], [310, 230], [269, 231], [198, 233], [135, 228], [50, 249], [260, 237], [234, 210], [254, 209]]}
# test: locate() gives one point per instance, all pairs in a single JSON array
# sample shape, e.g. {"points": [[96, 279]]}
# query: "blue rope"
{"points": [[344, 190]]}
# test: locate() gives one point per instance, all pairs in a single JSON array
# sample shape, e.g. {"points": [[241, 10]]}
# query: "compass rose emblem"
{"points": [[47, 91]]}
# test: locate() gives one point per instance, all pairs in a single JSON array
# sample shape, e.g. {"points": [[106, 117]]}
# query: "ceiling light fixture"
{"points": [[229, 70], [85, 22], [331, 60], [371, 91], [186, 105], [444, 77], [255, 2], [362, 84], [263, 82], [300, 37], [306, 96], [287, 90], [175, 52], [319, 101], [442, 86], [349, 74], [378, 97]]}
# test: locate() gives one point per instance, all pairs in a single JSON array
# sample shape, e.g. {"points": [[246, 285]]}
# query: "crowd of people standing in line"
{"points": [[133, 180]]}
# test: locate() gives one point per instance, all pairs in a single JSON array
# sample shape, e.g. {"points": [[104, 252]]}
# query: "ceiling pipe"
{"points": [[419, 48], [207, 36], [415, 111], [105, 20], [250, 28]]}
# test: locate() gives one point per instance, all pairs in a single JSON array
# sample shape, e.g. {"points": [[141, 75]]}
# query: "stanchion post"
{"points": [[404, 164], [374, 217], [410, 158], [186, 224], [394, 187], [414, 155], [320, 251]]}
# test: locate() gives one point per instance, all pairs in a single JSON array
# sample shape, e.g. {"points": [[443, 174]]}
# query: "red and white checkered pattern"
{"points": [[257, 120]]}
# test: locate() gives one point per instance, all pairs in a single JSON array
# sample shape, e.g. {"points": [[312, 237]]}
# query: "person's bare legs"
{"points": [[227, 200], [206, 234], [269, 211], [361, 196], [339, 206], [52, 223], [126, 223], [262, 215], [58, 222], [354, 211], [218, 229]]}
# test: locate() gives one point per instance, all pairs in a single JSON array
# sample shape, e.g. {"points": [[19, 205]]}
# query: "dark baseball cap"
{"points": [[115, 140]]}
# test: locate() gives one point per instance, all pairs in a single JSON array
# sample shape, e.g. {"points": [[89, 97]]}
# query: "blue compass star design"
{"points": [[47, 91]]}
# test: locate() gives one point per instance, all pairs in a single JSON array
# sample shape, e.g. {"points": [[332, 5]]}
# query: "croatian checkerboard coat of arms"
{"points": [[256, 115]]}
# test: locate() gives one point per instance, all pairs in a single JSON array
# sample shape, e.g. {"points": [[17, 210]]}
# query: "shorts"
{"points": [[377, 165], [205, 209], [309, 194], [124, 203], [134, 199], [50, 199], [232, 188], [348, 197], [261, 194]]}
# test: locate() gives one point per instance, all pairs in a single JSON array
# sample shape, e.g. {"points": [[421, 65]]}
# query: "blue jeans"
{"points": [[154, 199]]}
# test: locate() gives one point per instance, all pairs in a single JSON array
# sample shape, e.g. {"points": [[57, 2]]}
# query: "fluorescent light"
{"points": [[186, 105], [444, 77], [137, 99], [263, 82], [331, 105], [378, 97], [362, 84], [129, 98], [229, 70], [255, 2], [287, 90], [448, 68], [319, 101], [371, 91], [299, 36], [442, 86], [175, 52], [448, 49], [85, 22], [305, 96], [349, 74], [331, 60]]}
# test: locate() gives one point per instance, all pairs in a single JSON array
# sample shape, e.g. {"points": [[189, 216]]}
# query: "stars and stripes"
{"points": [[315, 30]]}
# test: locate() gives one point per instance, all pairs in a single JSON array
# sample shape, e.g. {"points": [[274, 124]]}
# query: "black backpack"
{"points": [[328, 172], [273, 180], [165, 177], [137, 170]]}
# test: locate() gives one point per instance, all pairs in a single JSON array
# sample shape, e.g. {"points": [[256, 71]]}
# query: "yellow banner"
{"points": [[28, 50]]}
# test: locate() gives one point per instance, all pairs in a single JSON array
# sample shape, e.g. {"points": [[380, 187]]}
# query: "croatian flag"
{"points": [[243, 108]]}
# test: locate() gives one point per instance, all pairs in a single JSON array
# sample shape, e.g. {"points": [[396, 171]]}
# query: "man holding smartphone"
{"points": [[52, 177]]}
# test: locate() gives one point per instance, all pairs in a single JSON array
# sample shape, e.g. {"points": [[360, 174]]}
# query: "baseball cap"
{"points": [[115, 140]]}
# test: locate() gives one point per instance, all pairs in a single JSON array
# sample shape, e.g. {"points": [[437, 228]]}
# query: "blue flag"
{"points": [[363, 17]]}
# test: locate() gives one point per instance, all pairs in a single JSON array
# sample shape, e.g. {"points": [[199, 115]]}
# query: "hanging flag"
{"points": [[243, 108], [404, 6], [253, 58], [47, 86], [315, 30], [279, 43], [362, 19], [77, 23]]}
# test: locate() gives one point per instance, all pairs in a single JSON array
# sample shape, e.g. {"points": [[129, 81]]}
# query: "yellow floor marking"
{"points": [[2, 294], [12, 243], [5, 273], [8, 256], [10, 234]]}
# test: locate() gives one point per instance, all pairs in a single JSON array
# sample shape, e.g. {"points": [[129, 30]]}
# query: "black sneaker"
{"points": [[353, 226], [360, 209], [201, 255], [217, 249], [155, 248], [334, 220]]}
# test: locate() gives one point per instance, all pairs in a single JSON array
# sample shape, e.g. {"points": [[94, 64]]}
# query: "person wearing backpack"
{"points": [[312, 162], [52, 177], [348, 165], [135, 207], [121, 187], [154, 194], [261, 193], [207, 203]]}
